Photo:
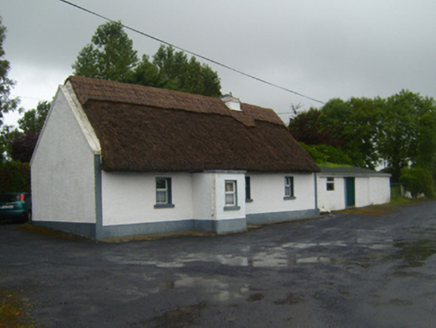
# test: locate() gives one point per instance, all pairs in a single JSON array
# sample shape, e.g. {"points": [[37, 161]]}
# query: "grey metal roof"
{"points": [[351, 171]]}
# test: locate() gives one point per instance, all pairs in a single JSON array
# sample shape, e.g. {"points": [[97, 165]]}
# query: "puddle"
{"points": [[275, 259], [309, 245], [291, 299], [314, 259], [415, 253], [220, 291], [233, 260]]}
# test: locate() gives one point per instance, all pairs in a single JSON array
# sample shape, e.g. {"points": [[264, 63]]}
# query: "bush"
{"points": [[417, 181], [14, 176]]}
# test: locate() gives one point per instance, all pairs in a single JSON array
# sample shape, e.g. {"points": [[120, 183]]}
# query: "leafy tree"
{"points": [[15, 176], [399, 130], [327, 154], [312, 128], [7, 134], [173, 70], [350, 126], [19, 145], [407, 136], [417, 181], [6, 84], [22, 147], [33, 120], [110, 56]]}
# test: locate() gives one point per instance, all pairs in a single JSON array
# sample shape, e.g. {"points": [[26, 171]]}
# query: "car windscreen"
{"points": [[9, 198]]}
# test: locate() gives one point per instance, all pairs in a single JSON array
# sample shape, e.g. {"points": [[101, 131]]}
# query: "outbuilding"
{"points": [[117, 159], [342, 187]]}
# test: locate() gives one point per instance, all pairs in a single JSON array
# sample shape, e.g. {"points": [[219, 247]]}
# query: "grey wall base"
{"points": [[280, 216], [83, 229], [223, 226]]}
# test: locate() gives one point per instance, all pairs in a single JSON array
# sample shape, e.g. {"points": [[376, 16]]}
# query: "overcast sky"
{"points": [[322, 49]]}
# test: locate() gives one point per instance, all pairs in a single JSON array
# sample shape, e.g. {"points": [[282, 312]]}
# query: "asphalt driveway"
{"points": [[362, 269]]}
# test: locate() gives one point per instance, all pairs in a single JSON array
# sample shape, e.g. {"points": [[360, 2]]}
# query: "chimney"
{"points": [[231, 102]]}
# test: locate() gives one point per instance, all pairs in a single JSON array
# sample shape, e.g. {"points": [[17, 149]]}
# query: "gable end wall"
{"points": [[63, 177]]}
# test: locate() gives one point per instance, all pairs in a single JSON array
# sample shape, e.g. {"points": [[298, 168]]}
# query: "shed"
{"points": [[342, 187]]}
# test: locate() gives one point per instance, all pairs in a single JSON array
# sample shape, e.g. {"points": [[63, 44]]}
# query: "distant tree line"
{"points": [[398, 132]]}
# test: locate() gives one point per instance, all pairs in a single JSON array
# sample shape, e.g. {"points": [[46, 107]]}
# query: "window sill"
{"points": [[164, 205], [289, 197], [249, 200], [232, 208]]}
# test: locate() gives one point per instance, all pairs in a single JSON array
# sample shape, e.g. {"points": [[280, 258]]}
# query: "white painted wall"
{"points": [[203, 196], [220, 212], [62, 168], [380, 190], [129, 198], [331, 200], [370, 190], [362, 191], [268, 191]]}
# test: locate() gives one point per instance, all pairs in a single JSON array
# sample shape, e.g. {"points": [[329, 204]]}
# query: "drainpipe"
{"points": [[316, 190]]}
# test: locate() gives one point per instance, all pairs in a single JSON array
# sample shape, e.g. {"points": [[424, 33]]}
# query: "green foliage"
{"points": [[110, 56], [33, 120], [326, 155], [6, 103], [399, 130], [19, 145], [407, 135], [7, 134], [418, 180], [15, 176], [176, 72], [22, 147]]}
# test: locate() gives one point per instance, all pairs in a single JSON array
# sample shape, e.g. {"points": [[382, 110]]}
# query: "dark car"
{"points": [[16, 206]]}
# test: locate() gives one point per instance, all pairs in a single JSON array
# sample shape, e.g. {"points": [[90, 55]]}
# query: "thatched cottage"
{"points": [[116, 159]]}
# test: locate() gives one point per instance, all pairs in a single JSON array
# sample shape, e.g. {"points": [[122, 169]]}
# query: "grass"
{"points": [[382, 209], [13, 311]]}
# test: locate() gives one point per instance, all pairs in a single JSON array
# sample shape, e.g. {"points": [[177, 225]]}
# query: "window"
{"points": [[289, 188], [231, 196], [163, 193], [248, 190], [330, 184]]}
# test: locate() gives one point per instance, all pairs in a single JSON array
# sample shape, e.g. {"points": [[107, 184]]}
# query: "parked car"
{"points": [[16, 206]]}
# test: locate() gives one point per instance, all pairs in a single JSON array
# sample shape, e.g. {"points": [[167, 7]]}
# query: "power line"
{"points": [[193, 53]]}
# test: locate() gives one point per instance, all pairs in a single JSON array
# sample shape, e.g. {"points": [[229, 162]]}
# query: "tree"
{"points": [[6, 84], [174, 71], [33, 120], [407, 136], [7, 134], [110, 56], [350, 126], [22, 147], [19, 145], [417, 180]]}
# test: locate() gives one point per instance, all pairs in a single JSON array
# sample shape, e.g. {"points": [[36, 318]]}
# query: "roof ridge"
{"points": [[118, 92]]}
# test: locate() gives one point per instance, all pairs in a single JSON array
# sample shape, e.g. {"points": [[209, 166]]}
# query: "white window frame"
{"points": [[330, 184], [229, 206], [289, 188], [166, 191]]}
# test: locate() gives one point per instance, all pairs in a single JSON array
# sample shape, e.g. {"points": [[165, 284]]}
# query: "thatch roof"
{"points": [[150, 129]]}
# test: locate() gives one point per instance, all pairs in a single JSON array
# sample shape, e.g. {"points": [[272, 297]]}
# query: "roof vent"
{"points": [[231, 102]]}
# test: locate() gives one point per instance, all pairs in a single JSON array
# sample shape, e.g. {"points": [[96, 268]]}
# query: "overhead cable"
{"points": [[192, 53]]}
